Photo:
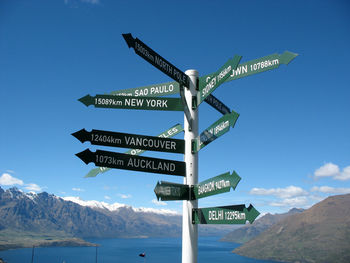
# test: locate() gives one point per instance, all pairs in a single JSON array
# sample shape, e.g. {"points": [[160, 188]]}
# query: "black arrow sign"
{"points": [[156, 60], [133, 162], [167, 191], [217, 104], [126, 140]]}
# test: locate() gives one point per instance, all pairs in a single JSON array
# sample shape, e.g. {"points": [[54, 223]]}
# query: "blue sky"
{"points": [[290, 144]]}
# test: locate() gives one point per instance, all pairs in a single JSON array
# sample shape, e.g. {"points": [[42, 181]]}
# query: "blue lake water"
{"points": [[158, 250]]}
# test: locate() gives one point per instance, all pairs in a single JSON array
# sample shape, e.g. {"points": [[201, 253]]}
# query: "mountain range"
{"points": [[250, 231], [28, 219], [318, 234]]}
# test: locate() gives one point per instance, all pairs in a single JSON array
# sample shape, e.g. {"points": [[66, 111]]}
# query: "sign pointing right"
{"points": [[217, 78], [217, 185], [217, 129], [233, 214]]}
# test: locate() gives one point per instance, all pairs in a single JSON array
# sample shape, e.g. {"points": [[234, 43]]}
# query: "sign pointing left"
{"points": [[134, 103], [156, 60], [133, 162], [127, 140]]}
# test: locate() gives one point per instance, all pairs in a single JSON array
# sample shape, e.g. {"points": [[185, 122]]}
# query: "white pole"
{"points": [[189, 230]]}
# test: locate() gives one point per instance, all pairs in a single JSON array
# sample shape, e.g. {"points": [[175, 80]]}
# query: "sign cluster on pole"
{"points": [[193, 90]]}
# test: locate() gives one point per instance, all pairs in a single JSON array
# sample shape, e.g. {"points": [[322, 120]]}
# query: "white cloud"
{"points": [[327, 170], [7, 179], [287, 192], [107, 197], [124, 196], [159, 203], [33, 187], [332, 170], [292, 202], [344, 175], [330, 190], [78, 189]]}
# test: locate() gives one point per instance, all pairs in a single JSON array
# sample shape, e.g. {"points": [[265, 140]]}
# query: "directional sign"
{"points": [[243, 70], [176, 129], [132, 162], [131, 102], [171, 191], [168, 88], [219, 77], [214, 131], [217, 104], [217, 185], [235, 214], [126, 140], [257, 65], [156, 60]]}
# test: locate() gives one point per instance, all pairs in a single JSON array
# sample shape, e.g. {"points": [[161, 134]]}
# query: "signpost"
{"points": [[134, 103], [217, 185], [126, 140], [156, 60], [214, 131], [235, 214], [133, 162], [171, 132], [217, 78], [147, 98], [167, 191]]}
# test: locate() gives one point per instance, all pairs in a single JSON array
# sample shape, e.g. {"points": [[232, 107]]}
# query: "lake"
{"points": [[158, 250]]}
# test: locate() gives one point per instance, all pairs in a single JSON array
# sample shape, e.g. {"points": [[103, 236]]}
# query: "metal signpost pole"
{"points": [[189, 230]]}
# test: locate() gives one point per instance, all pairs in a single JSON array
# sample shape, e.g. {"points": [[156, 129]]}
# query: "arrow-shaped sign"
{"points": [[171, 191], [215, 130], [132, 162], [219, 77], [168, 88], [217, 185], [135, 103], [171, 132], [156, 60], [217, 104], [257, 66], [243, 70], [235, 214], [126, 140]]}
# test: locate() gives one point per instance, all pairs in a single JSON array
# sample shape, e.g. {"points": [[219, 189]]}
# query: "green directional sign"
{"points": [[217, 129], [127, 140], [217, 104], [216, 79], [246, 69], [256, 66], [235, 214], [168, 88], [217, 185], [131, 102], [171, 132], [133, 162], [156, 60], [167, 191]]}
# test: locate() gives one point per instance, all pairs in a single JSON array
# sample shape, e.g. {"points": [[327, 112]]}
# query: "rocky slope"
{"points": [[319, 234], [248, 232]]}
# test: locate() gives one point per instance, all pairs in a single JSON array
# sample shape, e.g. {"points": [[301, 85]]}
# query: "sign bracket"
{"points": [[186, 109]]}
